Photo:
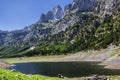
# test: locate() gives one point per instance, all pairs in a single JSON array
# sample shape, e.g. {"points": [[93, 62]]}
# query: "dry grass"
{"points": [[34, 59]]}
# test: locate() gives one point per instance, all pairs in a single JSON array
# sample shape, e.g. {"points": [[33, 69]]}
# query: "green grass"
{"points": [[11, 75]]}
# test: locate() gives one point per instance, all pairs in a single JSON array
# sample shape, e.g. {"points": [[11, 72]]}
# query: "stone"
{"points": [[96, 77]]}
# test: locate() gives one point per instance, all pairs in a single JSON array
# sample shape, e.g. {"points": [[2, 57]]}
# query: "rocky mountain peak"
{"points": [[80, 5], [55, 13], [42, 18]]}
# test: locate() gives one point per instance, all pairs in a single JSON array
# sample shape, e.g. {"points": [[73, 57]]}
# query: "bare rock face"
{"points": [[102, 7], [107, 7], [43, 18], [80, 5], [3, 35], [49, 16], [55, 13]]}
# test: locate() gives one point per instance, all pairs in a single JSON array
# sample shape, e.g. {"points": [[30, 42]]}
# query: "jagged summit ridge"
{"points": [[80, 5], [55, 13]]}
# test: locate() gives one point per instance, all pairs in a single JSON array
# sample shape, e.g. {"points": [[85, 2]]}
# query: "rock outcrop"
{"points": [[109, 7], [80, 5], [54, 14]]}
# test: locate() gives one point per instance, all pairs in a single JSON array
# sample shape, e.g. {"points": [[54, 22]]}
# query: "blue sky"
{"points": [[16, 14]]}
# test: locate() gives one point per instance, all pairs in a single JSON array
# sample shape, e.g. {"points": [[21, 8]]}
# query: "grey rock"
{"points": [[80, 5], [107, 7], [55, 13], [42, 18]]}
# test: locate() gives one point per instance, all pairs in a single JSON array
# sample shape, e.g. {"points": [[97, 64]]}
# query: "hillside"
{"points": [[83, 25]]}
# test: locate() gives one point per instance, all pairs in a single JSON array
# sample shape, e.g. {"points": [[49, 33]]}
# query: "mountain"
{"points": [[83, 25], [55, 13], [80, 5], [30, 35]]}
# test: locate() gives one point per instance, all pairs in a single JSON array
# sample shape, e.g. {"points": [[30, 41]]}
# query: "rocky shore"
{"points": [[4, 64]]}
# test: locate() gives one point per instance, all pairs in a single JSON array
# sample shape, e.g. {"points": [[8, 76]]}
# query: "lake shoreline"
{"points": [[108, 57], [4, 64]]}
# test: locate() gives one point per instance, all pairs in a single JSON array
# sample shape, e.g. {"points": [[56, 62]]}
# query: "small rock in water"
{"points": [[96, 77], [60, 76]]}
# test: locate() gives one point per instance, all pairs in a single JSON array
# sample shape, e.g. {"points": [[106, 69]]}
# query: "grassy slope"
{"points": [[10, 75]]}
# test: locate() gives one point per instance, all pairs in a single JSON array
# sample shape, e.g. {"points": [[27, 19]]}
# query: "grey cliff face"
{"points": [[108, 7], [80, 5], [102, 7], [42, 18], [49, 16], [55, 13], [70, 18], [3, 34]]}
